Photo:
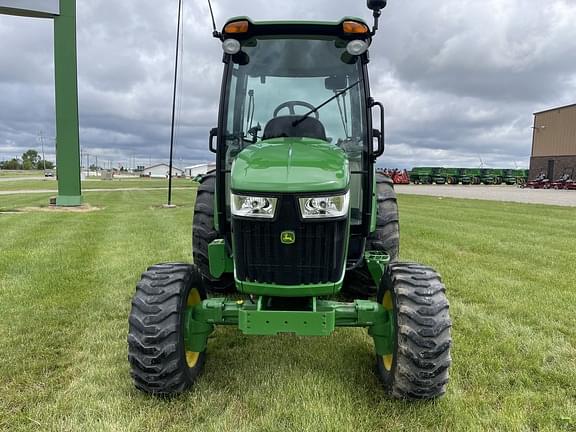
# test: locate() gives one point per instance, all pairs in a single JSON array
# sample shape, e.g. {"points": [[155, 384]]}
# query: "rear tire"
{"points": [[160, 364], [203, 233], [359, 282], [418, 368]]}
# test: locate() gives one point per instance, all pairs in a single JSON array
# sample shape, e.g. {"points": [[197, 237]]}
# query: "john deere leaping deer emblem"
{"points": [[288, 237]]}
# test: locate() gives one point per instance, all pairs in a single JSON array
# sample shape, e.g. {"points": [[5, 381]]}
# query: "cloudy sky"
{"points": [[460, 78]]}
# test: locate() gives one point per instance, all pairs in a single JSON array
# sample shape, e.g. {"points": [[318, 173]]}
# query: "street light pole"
{"points": [[174, 104]]}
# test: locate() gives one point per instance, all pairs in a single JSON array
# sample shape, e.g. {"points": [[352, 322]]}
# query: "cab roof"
{"points": [[295, 27]]}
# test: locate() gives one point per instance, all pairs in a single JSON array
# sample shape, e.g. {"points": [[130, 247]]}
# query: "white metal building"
{"points": [[193, 171], [161, 171]]}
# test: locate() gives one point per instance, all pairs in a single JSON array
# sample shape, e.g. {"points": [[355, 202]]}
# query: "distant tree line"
{"points": [[30, 160]]}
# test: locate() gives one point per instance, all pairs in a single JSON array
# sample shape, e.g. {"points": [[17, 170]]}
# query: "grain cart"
{"points": [[497, 175], [293, 214], [521, 176], [509, 177], [463, 177], [473, 174], [428, 175], [439, 175], [487, 177], [452, 175], [421, 175]]}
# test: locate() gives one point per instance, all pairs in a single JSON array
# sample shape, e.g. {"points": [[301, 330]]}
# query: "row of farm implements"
{"points": [[468, 176], [480, 176]]}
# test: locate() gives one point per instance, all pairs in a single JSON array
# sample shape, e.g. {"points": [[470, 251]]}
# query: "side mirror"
{"points": [[376, 5], [335, 83], [213, 134], [378, 133]]}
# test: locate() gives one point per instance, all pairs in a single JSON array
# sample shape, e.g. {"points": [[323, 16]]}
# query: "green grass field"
{"points": [[66, 281]]}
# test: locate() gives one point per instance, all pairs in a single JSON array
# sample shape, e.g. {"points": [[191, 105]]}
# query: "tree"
{"points": [[12, 164], [49, 165], [30, 159]]}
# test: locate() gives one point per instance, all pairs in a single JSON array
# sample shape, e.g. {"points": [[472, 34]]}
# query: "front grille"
{"points": [[317, 256]]}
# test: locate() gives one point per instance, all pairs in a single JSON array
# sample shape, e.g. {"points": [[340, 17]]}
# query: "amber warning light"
{"points": [[354, 27], [236, 27]]}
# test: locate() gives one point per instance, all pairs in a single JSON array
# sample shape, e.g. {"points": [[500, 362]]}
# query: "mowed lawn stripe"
{"points": [[42, 308]]}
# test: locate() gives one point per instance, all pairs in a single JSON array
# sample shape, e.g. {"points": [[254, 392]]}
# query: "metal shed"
{"points": [[554, 142]]}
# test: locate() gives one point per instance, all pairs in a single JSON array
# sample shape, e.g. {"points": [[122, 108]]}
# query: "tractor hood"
{"points": [[290, 165]]}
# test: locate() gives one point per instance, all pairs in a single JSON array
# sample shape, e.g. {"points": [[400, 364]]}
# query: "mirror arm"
{"points": [[376, 6], [377, 14]]}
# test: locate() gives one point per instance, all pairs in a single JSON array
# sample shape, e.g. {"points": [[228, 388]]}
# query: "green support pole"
{"points": [[67, 125]]}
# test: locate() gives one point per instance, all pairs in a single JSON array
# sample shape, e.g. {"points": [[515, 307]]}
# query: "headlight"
{"points": [[252, 206], [231, 46], [324, 207], [357, 47]]}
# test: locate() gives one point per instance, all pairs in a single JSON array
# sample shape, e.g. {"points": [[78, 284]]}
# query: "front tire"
{"points": [[203, 233], [160, 364], [418, 367], [359, 282]]}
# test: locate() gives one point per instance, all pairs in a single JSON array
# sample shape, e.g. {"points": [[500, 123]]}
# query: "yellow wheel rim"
{"points": [[192, 358], [388, 304], [387, 360], [387, 301], [193, 299]]}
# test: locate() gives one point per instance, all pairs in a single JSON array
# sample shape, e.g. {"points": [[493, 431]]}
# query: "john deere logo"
{"points": [[288, 237]]}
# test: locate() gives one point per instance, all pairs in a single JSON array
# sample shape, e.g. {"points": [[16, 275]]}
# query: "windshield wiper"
{"points": [[337, 95]]}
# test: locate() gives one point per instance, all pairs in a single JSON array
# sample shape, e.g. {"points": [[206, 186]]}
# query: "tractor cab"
{"points": [[296, 118]]}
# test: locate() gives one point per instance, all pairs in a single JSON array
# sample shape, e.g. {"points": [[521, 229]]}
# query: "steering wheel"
{"points": [[291, 104]]}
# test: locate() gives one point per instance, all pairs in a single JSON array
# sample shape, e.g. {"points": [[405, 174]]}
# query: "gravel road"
{"points": [[494, 193]]}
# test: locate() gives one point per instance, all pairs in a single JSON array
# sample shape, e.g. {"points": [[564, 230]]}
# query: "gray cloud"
{"points": [[459, 78]]}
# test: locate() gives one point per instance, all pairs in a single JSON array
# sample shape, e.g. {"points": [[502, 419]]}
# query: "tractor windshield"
{"points": [[274, 81]]}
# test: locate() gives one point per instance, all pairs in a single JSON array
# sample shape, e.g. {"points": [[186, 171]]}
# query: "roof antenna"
{"points": [[215, 32]]}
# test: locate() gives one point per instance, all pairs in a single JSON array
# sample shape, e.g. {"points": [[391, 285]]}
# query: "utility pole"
{"points": [[41, 137]]}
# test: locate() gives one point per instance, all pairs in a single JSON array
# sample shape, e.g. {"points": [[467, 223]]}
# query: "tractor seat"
{"points": [[282, 127]]}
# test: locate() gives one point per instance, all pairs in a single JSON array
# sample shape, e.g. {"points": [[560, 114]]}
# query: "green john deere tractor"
{"points": [[293, 215]]}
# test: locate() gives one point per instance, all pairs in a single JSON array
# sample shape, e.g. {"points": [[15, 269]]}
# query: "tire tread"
{"points": [[155, 342], [423, 341]]}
